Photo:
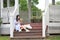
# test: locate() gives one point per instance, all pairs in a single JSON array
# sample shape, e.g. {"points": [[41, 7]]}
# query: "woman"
{"points": [[18, 25]]}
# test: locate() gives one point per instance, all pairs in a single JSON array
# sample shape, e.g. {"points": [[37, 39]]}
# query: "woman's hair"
{"points": [[17, 18]]}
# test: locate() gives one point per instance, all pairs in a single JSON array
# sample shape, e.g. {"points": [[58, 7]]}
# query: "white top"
{"points": [[17, 24]]}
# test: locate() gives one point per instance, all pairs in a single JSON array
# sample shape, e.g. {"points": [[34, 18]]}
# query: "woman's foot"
{"points": [[20, 30], [27, 30]]}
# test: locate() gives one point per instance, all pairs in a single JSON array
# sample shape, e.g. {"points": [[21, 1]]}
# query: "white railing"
{"points": [[12, 21], [54, 19], [5, 13]]}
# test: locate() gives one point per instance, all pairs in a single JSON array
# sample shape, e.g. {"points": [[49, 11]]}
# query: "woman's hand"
{"points": [[21, 27]]}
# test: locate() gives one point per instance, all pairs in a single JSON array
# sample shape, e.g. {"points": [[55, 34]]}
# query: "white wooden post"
{"points": [[12, 19], [8, 3], [45, 21], [1, 7], [1, 3], [16, 6], [11, 25], [16, 3]]}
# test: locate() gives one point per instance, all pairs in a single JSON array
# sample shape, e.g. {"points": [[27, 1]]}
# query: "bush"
{"points": [[36, 19]]}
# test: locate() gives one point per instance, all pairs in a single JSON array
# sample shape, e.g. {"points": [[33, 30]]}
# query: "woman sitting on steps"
{"points": [[18, 25]]}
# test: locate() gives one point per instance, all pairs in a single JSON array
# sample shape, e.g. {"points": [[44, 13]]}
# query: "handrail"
{"points": [[15, 10]]}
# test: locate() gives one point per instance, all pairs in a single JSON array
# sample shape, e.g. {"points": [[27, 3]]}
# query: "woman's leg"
{"points": [[20, 29], [26, 28]]}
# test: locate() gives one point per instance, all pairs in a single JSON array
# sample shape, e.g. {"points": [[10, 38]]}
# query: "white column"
{"points": [[12, 19], [11, 25], [17, 6], [8, 3], [44, 21], [47, 12], [1, 7], [1, 3], [16, 3]]}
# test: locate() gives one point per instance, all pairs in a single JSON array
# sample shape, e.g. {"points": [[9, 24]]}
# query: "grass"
{"points": [[53, 38], [4, 38], [48, 38]]}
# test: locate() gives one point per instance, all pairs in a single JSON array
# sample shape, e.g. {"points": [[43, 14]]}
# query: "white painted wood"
{"points": [[45, 17], [11, 26], [43, 25], [5, 14], [16, 3], [5, 28], [1, 3], [16, 12], [1, 7], [54, 24], [54, 13], [54, 18], [12, 18], [8, 3]]}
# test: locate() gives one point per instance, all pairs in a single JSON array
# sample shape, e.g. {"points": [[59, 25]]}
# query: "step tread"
{"points": [[36, 24], [28, 36], [31, 31], [36, 27]]}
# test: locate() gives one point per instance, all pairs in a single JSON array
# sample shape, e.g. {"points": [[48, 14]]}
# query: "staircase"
{"points": [[34, 34]]}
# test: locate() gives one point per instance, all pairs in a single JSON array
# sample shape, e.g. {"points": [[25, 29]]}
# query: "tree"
{"points": [[35, 1], [30, 6], [23, 4], [58, 3]]}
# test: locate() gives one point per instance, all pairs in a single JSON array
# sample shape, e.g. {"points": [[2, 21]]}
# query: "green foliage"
{"points": [[12, 2], [23, 5], [35, 1], [0, 21], [4, 3], [36, 13], [58, 3]]}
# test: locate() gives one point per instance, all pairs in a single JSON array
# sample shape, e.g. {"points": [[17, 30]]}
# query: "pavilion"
{"points": [[11, 12]]}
